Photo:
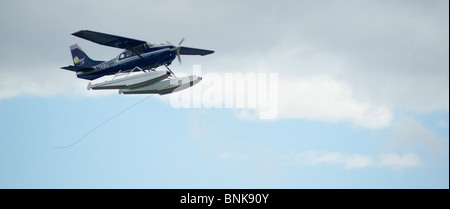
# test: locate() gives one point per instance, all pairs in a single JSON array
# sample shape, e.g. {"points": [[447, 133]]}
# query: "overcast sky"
{"points": [[363, 87]]}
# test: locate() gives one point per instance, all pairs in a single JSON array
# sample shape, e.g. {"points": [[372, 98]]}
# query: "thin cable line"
{"points": [[104, 122]]}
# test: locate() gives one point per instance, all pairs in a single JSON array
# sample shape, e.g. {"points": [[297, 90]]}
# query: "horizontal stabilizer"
{"points": [[77, 68], [194, 51]]}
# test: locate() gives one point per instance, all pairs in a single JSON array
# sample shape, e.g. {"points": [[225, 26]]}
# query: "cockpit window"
{"points": [[128, 53]]}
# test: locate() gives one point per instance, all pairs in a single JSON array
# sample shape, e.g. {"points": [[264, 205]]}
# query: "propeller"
{"points": [[177, 48]]}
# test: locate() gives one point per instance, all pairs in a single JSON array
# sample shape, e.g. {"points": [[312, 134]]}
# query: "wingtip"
{"points": [[210, 52], [75, 33]]}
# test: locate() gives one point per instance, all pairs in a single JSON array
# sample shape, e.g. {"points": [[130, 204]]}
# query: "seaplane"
{"points": [[138, 62]]}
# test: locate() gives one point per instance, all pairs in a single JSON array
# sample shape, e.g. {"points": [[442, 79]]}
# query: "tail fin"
{"points": [[80, 58]]}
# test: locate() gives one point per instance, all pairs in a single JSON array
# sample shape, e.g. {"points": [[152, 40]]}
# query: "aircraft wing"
{"points": [[108, 39], [194, 51]]}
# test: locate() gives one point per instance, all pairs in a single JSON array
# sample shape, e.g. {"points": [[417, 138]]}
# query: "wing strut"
{"points": [[131, 48], [170, 71]]}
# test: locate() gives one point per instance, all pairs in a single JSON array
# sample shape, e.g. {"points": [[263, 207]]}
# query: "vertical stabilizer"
{"points": [[80, 58]]}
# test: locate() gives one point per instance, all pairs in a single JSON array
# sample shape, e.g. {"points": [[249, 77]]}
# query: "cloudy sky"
{"points": [[362, 96]]}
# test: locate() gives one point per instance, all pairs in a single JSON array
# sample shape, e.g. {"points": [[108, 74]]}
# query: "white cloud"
{"points": [[323, 98], [314, 97], [347, 161], [353, 161], [42, 81], [45, 81], [400, 161]]}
